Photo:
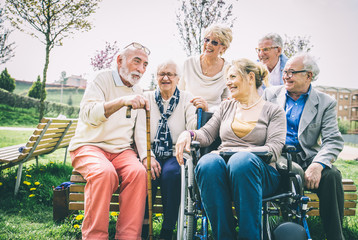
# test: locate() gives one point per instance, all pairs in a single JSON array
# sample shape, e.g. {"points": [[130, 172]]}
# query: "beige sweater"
{"points": [[268, 135], [212, 89], [116, 133]]}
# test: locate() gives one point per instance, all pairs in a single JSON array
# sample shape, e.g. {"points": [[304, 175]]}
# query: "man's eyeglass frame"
{"points": [[290, 73], [139, 46], [266, 49]]}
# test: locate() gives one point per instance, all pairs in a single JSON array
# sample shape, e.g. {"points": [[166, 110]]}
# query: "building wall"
{"points": [[347, 103]]}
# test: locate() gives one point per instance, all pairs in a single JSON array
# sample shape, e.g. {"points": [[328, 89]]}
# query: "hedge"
{"points": [[15, 100]]}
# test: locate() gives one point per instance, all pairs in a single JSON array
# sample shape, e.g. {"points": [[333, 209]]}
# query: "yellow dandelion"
{"points": [[158, 214], [114, 214], [37, 183], [79, 217], [51, 162], [32, 189], [27, 183], [76, 226], [32, 195], [0, 183], [28, 175]]}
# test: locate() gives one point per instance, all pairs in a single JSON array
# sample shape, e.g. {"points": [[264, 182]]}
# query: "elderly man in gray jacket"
{"points": [[312, 128]]}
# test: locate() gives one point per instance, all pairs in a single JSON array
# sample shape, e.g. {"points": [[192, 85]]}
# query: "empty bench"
{"points": [[76, 197], [49, 135]]}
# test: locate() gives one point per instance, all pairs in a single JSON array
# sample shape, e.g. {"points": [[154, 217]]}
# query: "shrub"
{"points": [[35, 90], [6, 81], [343, 126]]}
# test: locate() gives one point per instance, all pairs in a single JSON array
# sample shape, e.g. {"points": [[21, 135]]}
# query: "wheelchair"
{"points": [[283, 214]]}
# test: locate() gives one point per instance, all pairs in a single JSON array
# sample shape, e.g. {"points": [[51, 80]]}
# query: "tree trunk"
{"points": [[43, 85]]}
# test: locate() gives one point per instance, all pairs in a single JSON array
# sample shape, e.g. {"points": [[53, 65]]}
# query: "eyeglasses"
{"points": [[265, 50], [290, 73], [213, 42], [139, 46], [168, 74]]}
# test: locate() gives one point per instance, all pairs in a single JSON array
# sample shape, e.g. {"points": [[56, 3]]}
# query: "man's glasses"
{"points": [[290, 73], [213, 42], [139, 46], [168, 74], [265, 50]]}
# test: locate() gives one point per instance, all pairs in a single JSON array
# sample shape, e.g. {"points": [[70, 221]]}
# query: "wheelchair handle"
{"points": [[199, 112]]}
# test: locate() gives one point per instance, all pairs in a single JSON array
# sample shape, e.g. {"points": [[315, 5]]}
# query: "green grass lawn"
{"points": [[26, 217], [54, 94]]}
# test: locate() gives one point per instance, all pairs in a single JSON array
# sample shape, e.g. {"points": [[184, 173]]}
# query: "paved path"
{"points": [[349, 153]]}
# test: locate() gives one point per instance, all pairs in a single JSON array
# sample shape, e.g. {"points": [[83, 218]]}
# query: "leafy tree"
{"points": [[194, 16], [50, 21], [104, 58], [295, 44], [6, 81], [6, 49], [36, 88]]}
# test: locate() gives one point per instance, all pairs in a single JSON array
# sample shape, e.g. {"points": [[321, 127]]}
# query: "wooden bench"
{"points": [[350, 197], [49, 135], [76, 197]]}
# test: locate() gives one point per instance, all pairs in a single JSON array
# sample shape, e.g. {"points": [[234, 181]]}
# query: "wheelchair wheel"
{"points": [[186, 209]]}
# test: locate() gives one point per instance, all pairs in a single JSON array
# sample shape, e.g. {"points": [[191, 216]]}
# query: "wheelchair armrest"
{"points": [[195, 151], [195, 145], [265, 156], [288, 149]]}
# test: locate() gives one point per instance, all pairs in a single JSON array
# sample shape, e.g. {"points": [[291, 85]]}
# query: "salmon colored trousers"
{"points": [[103, 171]]}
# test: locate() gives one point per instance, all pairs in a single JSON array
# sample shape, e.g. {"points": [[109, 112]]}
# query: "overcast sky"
{"points": [[331, 24]]}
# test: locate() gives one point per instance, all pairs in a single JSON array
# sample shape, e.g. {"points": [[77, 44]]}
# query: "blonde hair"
{"points": [[244, 66], [223, 33]]}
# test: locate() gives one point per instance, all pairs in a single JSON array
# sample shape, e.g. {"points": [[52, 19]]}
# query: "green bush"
{"points": [[343, 126], [35, 90], [6, 81], [52, 109]]}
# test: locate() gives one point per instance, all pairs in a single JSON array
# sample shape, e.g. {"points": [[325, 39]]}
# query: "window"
{"points": [[340, 108], [341, 96], [346, 97], [345, 107]]}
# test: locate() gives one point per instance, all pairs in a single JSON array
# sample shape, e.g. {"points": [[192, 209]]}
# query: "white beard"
{"points": [[129, 76]]}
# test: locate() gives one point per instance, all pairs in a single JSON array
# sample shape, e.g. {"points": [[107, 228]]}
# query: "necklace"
{"points": [[251, 106]]}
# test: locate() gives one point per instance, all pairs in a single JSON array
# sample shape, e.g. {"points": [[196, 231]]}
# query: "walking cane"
{"points": [[149, 175]]}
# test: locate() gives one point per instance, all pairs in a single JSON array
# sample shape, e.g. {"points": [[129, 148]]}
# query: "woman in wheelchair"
{"points": [[246, 124], [171, 113]]}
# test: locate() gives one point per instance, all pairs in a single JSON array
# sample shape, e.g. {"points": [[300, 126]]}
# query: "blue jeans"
{"points": [[245, 179]]}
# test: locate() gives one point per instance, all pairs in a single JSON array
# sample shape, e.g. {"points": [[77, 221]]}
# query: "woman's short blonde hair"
{"points": [[223, 33], [244, 66]]}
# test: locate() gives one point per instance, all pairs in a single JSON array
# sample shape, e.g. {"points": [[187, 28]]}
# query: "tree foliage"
{"points": [[50, 21], [104, 58], [194, 16], [6, 81], [6, 48], [36, 88], [295, 44]]}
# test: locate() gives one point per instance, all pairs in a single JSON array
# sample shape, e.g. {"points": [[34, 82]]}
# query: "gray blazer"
{"points": [[318, 132]]}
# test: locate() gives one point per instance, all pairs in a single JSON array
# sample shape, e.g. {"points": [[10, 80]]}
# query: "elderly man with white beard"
{"points": [[102, 150]]}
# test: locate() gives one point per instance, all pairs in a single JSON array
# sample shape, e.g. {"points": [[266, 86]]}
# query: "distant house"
{"points": [[347, 104], [76, 81]]}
